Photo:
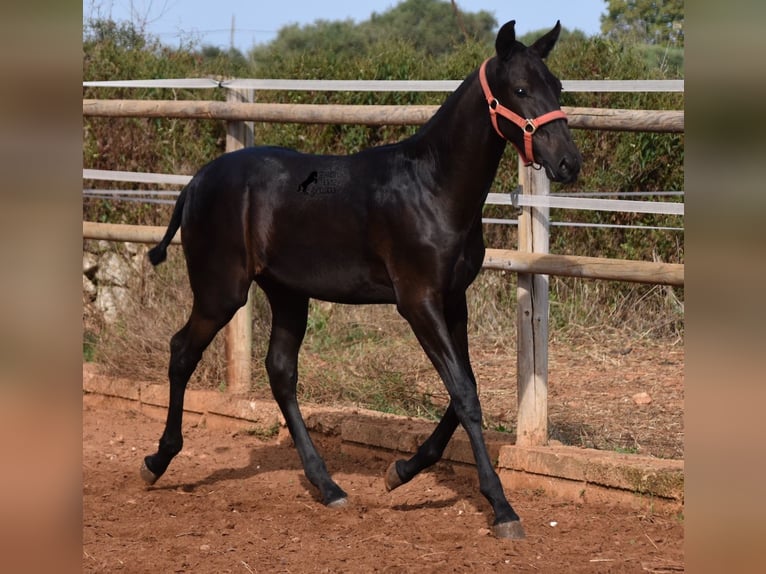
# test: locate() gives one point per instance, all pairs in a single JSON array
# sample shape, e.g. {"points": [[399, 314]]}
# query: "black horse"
{"points": [[394, 224]]}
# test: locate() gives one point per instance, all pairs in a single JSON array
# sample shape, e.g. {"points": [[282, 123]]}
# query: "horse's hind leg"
{"points": [[289, 315], [208, 316]]}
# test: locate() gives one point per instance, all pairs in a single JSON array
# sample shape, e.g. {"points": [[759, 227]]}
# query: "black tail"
{"points": [[159, 252]]}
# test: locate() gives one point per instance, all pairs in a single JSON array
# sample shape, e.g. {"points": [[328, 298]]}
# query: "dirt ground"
{"points": [[232, 502]]}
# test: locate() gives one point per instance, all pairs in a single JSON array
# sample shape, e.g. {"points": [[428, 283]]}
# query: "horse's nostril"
{"points": [[572, 163], [569, 167]]}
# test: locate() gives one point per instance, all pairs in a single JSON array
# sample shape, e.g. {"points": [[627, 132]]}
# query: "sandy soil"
{"points": [[232, 502]]}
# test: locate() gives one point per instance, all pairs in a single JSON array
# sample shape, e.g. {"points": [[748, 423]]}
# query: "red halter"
{"points": [[528, 126]]}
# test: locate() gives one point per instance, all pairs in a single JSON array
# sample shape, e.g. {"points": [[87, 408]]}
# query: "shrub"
{"points": [[625, 162]]}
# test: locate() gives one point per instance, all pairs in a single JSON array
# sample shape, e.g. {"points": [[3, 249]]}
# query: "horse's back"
{"points": [[299, 219]]}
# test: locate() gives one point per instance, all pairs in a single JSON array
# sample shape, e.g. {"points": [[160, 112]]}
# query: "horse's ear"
{"points": [[506, 40], [544, 44]]}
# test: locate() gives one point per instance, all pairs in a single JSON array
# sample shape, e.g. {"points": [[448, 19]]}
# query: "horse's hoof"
{"points": [[338, 503], [393, 480], [149, 477], [512, 530]]}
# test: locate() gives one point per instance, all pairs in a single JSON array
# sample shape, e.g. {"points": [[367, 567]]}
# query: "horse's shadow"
{"points": [[267, 458], [257, 464]]}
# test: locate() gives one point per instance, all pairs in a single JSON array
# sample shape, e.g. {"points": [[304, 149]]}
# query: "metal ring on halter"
{"points": [[530, 127]]}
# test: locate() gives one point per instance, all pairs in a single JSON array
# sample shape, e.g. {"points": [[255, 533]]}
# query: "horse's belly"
{"points": [[331, 277]]}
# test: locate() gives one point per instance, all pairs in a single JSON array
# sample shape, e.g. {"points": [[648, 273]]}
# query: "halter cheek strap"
{"points": [[528, 126]]}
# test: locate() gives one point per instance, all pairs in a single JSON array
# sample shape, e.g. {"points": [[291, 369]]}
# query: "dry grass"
{"points": [[607, 343], [136, 346]]}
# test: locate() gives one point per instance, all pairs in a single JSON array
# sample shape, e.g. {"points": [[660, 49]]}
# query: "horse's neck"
{"points": [[466, 151]]}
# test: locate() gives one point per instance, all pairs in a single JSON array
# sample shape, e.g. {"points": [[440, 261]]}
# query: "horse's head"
{"points": [[523, 97]]}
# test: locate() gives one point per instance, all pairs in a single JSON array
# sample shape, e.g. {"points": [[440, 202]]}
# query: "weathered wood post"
{"points": [[532, 317], [238, 333]]}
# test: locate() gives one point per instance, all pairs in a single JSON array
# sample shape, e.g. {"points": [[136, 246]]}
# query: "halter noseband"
{"points": [[528, 126]]}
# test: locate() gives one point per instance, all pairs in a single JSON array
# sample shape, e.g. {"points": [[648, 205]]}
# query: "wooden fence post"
{"points": [[532, 318], [238, 334]]}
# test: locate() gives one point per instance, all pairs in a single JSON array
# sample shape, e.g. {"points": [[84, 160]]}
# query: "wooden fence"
{"points": [[585, 118], [531, 261]]}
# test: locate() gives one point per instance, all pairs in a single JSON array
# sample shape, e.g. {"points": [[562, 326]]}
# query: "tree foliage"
{"points": [[615, 161], [658, 22], [122, 51], [433, 27]]}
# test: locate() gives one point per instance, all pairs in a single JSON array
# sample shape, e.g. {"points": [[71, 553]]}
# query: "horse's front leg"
{"points": [[432, 449], [429, 453], [426, 316]]}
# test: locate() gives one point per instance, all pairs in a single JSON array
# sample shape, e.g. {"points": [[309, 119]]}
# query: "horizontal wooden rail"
{"points": [[586, 267], [261, 84], [122, 232], [584, 118], [504, 259]]}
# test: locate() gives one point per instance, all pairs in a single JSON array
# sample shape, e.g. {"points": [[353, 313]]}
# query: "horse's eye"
{"points": [[521, 92]]}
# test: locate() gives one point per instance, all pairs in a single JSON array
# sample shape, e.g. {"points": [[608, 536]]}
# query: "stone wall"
{"points": [[109, 272]]}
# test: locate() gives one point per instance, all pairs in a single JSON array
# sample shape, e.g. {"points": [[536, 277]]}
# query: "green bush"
{"points": [[614, 161], [367, 356]]}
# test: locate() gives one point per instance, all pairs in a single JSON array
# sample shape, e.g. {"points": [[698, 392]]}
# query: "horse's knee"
{"points": [[283, 374], [280, 365]]}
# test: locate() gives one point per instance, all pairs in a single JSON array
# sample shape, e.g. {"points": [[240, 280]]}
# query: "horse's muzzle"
{"points": [[566, 171]]}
